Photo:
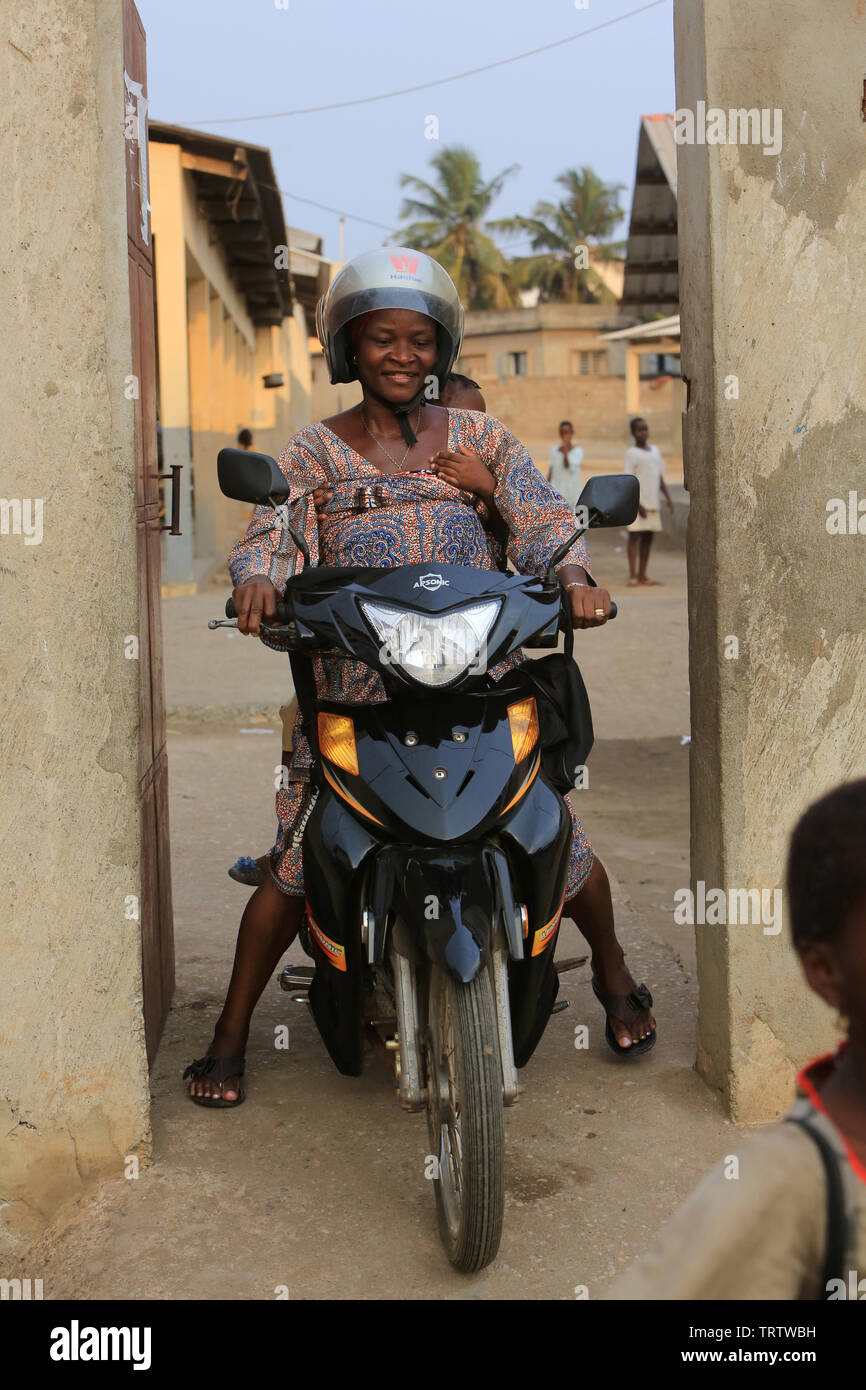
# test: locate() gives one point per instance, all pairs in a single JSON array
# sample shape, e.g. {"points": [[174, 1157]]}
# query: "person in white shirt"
{"points": [[644, 460], [565, 459]]}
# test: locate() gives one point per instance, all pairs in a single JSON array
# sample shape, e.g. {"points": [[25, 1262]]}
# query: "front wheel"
{"points": [[465, 1117]]}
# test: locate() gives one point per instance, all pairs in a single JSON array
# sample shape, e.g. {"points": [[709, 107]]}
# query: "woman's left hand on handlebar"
{"points": [[589, 607]]}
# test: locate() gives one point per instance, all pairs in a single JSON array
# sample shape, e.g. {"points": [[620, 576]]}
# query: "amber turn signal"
{"points": [[523, 718], [337, 741]]}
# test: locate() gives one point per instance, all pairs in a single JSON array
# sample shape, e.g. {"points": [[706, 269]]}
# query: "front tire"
{"points": [[465, 1117]]}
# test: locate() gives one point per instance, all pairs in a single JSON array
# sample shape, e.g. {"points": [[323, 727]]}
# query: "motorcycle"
{"points": [[435, 847]]}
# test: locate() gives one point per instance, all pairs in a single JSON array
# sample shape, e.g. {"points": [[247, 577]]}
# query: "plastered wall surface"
{"points": [[73, 1075], [773, 286]]}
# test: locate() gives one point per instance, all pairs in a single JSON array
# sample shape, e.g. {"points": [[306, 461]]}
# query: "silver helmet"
{"points": [[395, 277]]}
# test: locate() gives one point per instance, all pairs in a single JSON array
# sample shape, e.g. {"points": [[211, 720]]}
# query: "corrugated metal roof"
{"points": [[651, 284], [657, 328]]}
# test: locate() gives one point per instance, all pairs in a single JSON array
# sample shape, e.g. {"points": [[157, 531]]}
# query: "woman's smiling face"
{"points": [[396, 351]]}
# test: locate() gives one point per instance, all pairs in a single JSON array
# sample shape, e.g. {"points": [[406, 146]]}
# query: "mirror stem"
{"points": [[560, 553], [299, 540]]}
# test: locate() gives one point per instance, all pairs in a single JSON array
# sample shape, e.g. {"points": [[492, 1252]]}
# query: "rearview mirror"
{"points": [[611, 499], [248, 477]]}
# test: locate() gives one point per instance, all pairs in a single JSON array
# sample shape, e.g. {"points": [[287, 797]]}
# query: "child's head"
{"points": [[827, 897], [566, 431], [461, 393], [640, 430], [245, 439]]}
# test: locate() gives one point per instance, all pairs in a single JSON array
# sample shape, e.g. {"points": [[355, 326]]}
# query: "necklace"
{"points": [[397, 465]]}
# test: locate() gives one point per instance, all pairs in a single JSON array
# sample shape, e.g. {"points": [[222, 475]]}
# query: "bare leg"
{"points": [[592, 910], [268, 928], [646, 540], [633, 551]]}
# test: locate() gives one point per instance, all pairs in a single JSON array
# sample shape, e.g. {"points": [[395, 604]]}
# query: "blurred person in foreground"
{"points": [[792, 1224]]}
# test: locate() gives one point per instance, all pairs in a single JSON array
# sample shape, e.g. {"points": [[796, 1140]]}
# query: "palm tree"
{"points": [[586, 216], [447, 225]]}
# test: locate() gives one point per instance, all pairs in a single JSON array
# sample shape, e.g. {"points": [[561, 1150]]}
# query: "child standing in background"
{"points": [[644, 460], [564, 462]]}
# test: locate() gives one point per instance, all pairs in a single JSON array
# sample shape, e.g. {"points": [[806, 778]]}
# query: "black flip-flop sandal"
{"points": [[216, 1069], [626, 1008]]}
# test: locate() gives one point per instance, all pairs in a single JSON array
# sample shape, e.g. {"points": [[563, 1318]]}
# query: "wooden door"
{"points": [[157, 934]]}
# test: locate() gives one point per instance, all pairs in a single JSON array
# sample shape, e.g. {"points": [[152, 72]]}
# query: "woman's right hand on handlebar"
{"points": [[255, 601]]}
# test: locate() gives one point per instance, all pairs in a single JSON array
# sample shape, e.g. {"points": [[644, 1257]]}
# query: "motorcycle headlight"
{"points": [[432, 648]]}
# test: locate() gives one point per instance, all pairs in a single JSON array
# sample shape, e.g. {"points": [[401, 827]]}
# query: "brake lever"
{"points": [[263, 627]]}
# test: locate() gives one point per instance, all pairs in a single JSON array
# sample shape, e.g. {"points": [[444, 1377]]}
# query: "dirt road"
{"points": [[317, 1182]]}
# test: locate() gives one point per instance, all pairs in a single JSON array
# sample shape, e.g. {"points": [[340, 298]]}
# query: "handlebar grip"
{"points": [[282, 613], [613, 611]]}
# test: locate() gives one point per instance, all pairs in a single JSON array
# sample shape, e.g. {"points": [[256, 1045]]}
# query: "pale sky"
{"points": [[578, 104]]}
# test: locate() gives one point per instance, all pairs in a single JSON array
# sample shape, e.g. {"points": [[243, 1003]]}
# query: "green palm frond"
{"points": [[445, 220], [587, 215]]}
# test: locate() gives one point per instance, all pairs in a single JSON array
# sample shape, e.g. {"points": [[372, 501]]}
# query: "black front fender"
{"points": [[446, 908]]}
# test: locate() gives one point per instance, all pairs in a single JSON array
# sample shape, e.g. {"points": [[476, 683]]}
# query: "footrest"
{"points": [[296, 976], [570, 963]]}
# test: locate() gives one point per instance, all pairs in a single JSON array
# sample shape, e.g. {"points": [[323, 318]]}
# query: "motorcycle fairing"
{"points": [[441, 906], [334, 848], [537, 842], [453, 782]]}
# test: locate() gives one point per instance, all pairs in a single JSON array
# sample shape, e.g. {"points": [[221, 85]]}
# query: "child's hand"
{"points": [[465, 470], [641, 510]]}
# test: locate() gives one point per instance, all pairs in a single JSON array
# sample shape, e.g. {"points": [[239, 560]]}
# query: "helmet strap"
{"points": [[402, 413]]}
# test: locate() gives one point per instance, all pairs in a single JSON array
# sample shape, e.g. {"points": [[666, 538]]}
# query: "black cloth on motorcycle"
{"points": [[564, 714], [564, 717]]}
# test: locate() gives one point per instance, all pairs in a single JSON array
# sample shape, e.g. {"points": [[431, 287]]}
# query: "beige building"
{"points": [[235, 291], [537, 366]]}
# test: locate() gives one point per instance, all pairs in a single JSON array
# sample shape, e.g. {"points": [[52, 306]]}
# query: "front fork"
{"points": [[410, 1010]]}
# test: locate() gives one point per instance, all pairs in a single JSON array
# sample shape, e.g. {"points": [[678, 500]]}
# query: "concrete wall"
{"points": [[532, 408], [73, 1074], [773, 288]]}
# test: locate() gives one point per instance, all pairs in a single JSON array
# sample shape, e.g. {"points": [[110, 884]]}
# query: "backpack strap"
{"points": [[837, 1219]]}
